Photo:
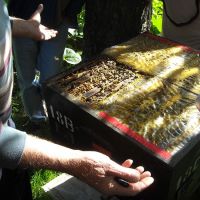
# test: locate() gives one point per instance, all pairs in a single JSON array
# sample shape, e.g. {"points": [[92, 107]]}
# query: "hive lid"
{"points": [[158, 56]]}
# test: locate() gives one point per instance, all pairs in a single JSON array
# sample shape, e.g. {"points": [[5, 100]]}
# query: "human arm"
{"points": [[32, 28], [18, 149], [94, 168]]}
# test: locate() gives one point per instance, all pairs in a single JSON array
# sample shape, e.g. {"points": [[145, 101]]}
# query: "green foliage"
{"points": [[73, 50], [81, 22], [71, 57], [77, 34], [157, 12], [40, 178]]}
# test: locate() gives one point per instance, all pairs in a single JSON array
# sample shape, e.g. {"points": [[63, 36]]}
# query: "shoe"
{"points": [[38, 119]]}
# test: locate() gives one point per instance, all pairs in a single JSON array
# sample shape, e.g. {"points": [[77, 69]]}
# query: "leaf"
{"points": [[71, 57], [157, 17]]}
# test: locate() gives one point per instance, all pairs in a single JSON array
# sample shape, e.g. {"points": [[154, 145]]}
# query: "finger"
{"points": [[53, 32], [141, 185], [127, 163], [36, 14], [140, 169], [46, 34], [146, 182], [50, 34], [128, 174], [133, 188], [145, 174], [124, 183], [39, 9]]}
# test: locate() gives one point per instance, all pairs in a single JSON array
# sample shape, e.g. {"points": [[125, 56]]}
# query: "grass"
{"points": [[40, 178]]}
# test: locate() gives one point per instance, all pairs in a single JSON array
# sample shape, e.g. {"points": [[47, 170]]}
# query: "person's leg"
{"points": [[25, 57], [51, 54]]}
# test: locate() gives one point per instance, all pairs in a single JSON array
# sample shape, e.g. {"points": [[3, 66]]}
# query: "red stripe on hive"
{"points": [[127, 131]]}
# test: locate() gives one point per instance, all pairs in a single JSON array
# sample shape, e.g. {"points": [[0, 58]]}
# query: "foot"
{"points": [[38, 118]]}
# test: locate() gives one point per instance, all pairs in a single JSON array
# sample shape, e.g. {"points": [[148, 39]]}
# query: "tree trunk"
{"points": [[110, 22]]}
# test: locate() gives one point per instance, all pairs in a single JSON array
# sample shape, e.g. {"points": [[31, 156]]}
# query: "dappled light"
{"points": [[149, 84], [159, 108]]}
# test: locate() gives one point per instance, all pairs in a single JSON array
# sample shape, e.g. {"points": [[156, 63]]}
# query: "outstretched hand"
{"points": [[93, 168], [100, 172], [36, 29]]}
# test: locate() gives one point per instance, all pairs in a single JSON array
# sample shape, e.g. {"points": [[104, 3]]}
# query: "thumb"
{"points": [[36, 15]]}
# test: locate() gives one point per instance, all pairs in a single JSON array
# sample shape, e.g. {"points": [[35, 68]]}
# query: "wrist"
{"points": [[75, 160], [20, 27]]}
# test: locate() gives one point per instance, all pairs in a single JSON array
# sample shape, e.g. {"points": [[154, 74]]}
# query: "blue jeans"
{"points": [[44, 56]]}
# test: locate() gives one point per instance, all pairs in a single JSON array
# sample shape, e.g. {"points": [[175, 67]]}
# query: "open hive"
{"points": [[137, 100], [158, 106], [98, 81]]}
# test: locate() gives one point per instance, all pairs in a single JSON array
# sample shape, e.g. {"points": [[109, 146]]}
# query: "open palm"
{"points": [[40, 32]]}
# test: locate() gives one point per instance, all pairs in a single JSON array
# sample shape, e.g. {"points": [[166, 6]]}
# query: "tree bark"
{"points": [[110, 22]]}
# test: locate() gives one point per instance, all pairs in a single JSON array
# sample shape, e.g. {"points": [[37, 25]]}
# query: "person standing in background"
{"points": [[44, 56], [181, 22]]}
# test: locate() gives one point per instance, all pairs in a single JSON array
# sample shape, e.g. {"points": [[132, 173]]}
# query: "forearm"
{"points": [[39, 153], [96, 169], [20, 27]]}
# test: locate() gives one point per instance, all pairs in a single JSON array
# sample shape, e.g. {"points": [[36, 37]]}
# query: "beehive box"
{"points": [[137, 100]]}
